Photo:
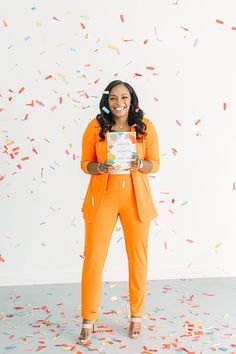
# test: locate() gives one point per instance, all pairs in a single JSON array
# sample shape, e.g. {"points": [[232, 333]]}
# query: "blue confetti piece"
{"points": [[27, 38], [223, 349], [73, 49], [33, 8], [105, 110]]}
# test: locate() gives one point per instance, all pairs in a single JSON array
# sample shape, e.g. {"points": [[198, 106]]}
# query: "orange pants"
{"points": [[119, 200]]}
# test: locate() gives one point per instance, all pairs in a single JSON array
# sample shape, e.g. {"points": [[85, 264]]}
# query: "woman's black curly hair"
{"points": [[135, 117]]}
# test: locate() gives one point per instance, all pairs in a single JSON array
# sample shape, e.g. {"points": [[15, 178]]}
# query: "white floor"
{"points": [[181, 316]]}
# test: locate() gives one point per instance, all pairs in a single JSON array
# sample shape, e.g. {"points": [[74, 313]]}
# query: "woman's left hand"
{"points": [[135, 164]]}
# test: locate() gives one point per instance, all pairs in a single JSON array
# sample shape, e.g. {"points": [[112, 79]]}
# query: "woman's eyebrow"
{"points": [[123, 94]]}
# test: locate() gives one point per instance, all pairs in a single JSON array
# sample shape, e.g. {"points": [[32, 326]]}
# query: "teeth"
{"points": [[118, 108]]}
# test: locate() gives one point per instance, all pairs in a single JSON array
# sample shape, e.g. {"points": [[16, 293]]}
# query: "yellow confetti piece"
{"points": [[113, 47], [218, 245]]}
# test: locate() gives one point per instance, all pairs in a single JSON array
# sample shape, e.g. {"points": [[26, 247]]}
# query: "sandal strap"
{"points": [[135, 319], [87, 325]]}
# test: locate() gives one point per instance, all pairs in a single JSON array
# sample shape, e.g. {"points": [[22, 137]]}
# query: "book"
{"points": [[121, 148]]}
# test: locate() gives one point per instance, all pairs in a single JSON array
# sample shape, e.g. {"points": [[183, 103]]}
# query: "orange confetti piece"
{"points": [[224, 106], [2, 178], [220, 22], [174, 151], [48, 77], [21, 90], [82, 25], [1, 259], [145, 42], [122, 18], [39, 102], [184, 28], [25, 158], [30, 104], [150, 67], [26, 116], [4, 23]]}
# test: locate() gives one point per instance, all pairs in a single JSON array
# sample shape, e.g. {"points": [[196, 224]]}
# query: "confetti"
{"points": [[106, 110], [122, 18]]}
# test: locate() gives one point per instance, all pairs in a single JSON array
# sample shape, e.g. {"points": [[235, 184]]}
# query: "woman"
{"points": [[109, 195]]}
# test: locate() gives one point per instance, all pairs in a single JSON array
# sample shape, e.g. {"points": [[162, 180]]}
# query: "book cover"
{"points": [[121, 148]]}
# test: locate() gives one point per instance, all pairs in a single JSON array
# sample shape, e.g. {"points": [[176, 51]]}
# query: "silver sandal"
{"points": [[136, 333], [82, 338]]}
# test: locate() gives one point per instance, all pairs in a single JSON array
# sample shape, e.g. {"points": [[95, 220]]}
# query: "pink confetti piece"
{"points": [[21, 90], [122, 18], [233, 28], [60, 100], [234, 187], [82, 25], [25, 158], [150, 68], [26, 116], [224, 106], [2, 259], [4, 23], [188, 240], [55, 18], [48, 77], [35, 151], [53, 108], [156, 99], [137, 74], [146, 41], [220, 22], [165, 244], [178, 122], [197, 122]]}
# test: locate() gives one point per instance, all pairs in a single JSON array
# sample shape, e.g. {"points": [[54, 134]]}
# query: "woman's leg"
{"points": [[97, 239], [136, 241]]}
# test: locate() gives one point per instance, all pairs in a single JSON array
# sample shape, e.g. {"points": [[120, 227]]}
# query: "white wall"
{"points": [[42, 230]]}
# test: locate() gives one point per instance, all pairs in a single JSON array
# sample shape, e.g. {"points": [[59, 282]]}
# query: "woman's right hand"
{"points": [[106, 167]]}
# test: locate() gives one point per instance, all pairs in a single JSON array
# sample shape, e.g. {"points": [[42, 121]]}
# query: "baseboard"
{"points": [[171, 272]]}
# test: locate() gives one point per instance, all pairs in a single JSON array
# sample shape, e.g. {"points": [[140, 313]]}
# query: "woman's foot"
{"points": [[135, 327], [87, 330]]}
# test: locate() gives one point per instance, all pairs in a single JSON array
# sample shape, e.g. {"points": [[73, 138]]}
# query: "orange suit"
{"points": [[108, 196]]}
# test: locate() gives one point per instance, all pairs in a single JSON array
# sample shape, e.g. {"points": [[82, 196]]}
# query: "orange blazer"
{"points": [[93, 149]]}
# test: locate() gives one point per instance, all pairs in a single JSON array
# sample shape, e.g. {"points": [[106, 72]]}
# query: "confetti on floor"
{"points": [[182, 316]]}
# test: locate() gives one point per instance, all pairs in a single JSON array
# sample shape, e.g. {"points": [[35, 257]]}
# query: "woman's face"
{"points": [[119, 101]]}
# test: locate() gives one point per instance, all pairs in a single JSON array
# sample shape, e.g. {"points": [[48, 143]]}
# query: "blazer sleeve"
{"points": [[88, 146], [152, 147]]}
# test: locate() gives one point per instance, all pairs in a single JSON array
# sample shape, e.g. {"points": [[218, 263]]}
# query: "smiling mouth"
{"points": [[119, 108]]}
